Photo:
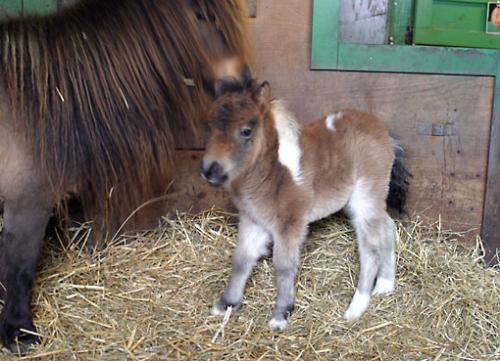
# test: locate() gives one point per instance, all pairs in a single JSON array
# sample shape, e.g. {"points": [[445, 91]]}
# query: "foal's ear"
{"points": [[261, 92], [265, 89]]}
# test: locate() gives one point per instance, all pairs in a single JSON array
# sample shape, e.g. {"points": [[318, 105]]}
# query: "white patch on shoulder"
{"points": [[289, 152], [330, 120]]}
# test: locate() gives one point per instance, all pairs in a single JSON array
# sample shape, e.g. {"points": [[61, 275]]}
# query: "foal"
{"points": [[283, 177]]}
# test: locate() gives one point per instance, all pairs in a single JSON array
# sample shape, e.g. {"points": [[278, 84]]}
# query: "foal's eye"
{"points": [[246, 132]]}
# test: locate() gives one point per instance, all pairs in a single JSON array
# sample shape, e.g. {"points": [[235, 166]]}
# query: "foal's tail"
{"points": [[400, 180]]}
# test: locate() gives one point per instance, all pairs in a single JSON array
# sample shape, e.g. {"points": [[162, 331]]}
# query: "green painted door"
{"points": [[16, 8]]}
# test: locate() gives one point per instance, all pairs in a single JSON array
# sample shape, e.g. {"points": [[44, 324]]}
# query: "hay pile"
{"points": [[148, 298]]}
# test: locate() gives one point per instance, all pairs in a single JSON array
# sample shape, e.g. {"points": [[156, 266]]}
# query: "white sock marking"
{"points": [[277, 325], [289, 152], [330, 120], [383, 286], [217, 311], [358, 305]]}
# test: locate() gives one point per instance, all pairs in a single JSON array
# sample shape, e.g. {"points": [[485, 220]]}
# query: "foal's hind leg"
{"points": [[252, 244], [375, 249], [386, 275]]}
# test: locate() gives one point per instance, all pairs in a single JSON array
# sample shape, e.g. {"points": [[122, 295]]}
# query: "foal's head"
{"points": [[238, 129]]}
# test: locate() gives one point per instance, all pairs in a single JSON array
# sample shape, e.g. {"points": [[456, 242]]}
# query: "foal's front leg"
{"points": [[25, 221], [253, 242], [286, 256]]}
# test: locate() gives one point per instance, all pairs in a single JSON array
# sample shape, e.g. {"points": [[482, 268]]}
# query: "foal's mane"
{"points": [[99, 91]]}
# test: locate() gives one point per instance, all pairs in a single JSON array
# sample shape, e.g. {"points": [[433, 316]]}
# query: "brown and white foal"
{"points": [[283, 177]]}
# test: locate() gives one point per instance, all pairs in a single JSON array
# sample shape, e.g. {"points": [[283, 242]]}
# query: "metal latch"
{"points": [[437, 130]]}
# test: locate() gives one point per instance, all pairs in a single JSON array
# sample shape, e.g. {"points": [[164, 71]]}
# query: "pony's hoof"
{"points": [[277, 324], [23, 346], [383, 286], [18, 342]]}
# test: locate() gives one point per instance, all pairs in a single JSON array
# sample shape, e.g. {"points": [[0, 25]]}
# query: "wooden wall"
{"points": [[449, 171]]}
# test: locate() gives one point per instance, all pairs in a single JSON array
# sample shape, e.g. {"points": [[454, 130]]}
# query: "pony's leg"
{"points": [[286, 255], [370, 222], [253, 243], [386, 276], [24, 227]]}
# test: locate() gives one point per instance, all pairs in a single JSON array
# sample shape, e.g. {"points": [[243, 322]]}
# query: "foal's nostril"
{"points": [[215, 170], [211, 173]]}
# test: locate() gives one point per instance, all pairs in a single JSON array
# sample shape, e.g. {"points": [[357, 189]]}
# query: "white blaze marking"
{"points": [[330, 120], [289, 152]]}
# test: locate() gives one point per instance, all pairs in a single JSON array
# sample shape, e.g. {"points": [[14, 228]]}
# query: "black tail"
{"points": [[400, 180]]}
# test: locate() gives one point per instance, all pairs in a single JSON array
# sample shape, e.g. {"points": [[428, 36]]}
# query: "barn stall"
{"points": [[148, 295]]}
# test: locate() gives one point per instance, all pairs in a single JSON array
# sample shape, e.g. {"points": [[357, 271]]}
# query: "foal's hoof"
{"points": [[277, 323], [279, 319], [358, 305], [220, 307], [383, 286]]}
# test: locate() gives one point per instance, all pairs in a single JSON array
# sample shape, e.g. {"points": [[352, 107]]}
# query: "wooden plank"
{"points": [[449, 172], [363, 22], [491, 219], [364, 31], [39, 7], [324, 34], [416, 59], [400, 17]]}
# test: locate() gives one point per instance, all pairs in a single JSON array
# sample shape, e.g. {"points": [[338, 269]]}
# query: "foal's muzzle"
{"points": [[213, 173]]}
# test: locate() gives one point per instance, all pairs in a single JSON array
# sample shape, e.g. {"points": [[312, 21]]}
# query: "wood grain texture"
{"points": [[449, 172], [363, 22], [491, 219]]}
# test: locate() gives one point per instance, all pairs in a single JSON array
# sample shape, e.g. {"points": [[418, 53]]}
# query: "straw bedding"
{"points": [[148, 296]]}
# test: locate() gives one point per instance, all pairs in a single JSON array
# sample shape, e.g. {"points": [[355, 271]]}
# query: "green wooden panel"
{"points": [[399, 20], [417, 59], [10, 8], [453, 23], [39, 7], [325, 31], [17, 8]]}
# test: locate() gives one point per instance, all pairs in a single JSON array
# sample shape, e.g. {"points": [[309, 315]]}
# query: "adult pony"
{"points": [[282, 177], [92, 103]]}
